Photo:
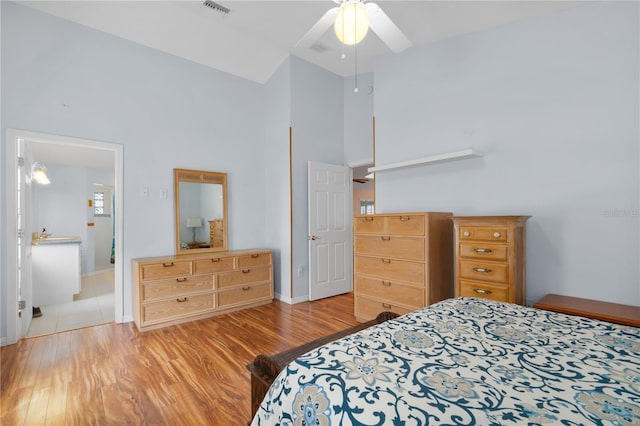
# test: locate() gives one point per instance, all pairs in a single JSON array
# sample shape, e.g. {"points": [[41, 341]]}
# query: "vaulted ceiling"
{"points": [[253, 39]]}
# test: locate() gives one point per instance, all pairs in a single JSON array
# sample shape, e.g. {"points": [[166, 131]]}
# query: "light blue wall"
{"points": [[167, 112], [316, 118], [358, 119], [553, 103], [276, 156]]}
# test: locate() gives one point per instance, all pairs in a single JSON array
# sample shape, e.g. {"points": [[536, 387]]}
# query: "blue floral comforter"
{"points": [[465, 361]]}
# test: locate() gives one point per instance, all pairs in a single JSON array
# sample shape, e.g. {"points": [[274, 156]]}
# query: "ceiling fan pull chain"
{"points": [[355, 51], [344, 55]]}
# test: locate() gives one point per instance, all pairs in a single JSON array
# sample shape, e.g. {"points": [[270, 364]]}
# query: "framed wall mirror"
{"points": [[201, 211]]}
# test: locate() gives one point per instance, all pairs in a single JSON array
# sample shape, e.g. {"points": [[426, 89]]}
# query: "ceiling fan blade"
{"points": [[319, 28], [384, 28]]}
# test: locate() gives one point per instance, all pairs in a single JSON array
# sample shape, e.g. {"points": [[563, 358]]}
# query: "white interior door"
{"points": [[330, 230], [23, 254]]}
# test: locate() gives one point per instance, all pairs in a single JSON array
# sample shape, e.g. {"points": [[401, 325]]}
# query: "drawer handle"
{"points": [[217, 259], [386, 260], [246, 288], [466, 233], [255, 255], [246, 271], [385, 238], [482, 250], [181, 280], [496, 235], [168, 265], [404, 218], [485, 270], [181, 299], [386, 283], [482, 291], [386, 306], [368, 219]]}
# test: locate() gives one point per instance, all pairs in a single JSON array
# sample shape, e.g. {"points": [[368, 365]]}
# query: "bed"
{"points": [[464, 361]]}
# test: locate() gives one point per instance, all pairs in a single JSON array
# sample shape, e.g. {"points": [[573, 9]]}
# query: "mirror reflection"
{"points": [[201, 206]]}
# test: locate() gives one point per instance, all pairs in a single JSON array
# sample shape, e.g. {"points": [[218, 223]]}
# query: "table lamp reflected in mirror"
{"points": [[193, 223]]}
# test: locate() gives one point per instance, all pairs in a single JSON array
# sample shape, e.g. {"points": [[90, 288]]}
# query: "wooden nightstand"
{"points": [[605, 311]]}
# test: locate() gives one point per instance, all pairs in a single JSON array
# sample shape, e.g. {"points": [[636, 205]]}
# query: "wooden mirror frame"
{"points": [[199, 176]]}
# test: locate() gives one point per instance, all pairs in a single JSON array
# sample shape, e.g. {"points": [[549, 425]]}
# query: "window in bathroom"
{"points": [[98, 203]]}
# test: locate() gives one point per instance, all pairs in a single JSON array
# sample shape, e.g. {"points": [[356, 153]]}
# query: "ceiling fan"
{"points": [[351, 20]]}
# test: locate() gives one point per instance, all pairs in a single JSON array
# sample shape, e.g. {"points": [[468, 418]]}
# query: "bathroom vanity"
{"points": [[55, 266]]}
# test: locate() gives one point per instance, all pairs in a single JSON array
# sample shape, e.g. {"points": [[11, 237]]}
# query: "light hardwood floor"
{"points": [[189, 374]]}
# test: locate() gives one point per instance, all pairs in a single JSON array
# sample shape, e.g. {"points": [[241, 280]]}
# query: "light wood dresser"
{"points": [[175, 289], [402, 262], [490, 257]]}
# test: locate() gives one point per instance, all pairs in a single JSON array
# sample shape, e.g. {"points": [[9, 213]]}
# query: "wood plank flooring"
{"points": [[189, 374]]}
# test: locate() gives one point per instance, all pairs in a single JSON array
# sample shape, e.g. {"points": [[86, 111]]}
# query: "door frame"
{"points": [[11, 303]]}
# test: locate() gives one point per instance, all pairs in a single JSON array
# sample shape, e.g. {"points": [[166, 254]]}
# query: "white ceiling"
{"points": [[256, 36], [71, 155]]}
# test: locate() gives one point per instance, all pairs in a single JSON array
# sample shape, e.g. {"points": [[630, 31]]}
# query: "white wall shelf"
{"points": [[440, 158]]}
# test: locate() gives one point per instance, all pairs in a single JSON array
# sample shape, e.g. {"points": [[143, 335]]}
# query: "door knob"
{"points": [[313, 238]]}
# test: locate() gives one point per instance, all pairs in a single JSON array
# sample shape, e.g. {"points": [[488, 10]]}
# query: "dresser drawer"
{"points": [[213, 264], [177, 308], [496, 292], [175, 287], [405, 225], [483, 233], [368, 225], [368, 309], [390, 246], [391, 269], [243, 276], [391, 291], [484, 271], [173, 268], [486, 251], [245, 294], [256, 259]]}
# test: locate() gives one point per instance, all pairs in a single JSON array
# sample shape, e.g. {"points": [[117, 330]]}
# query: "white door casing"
{"points": [[330, 230], [14, 331]]}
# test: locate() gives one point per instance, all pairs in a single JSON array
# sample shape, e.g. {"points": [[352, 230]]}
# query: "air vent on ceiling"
{"points": [[317, 47], [216, 6]]}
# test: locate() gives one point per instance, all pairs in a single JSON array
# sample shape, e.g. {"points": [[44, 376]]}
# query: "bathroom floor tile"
{"points": [[95, 306]]}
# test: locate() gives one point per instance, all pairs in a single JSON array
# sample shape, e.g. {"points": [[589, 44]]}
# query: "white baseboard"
{"points": [[3, 341], [127, 318], [291, 301]]}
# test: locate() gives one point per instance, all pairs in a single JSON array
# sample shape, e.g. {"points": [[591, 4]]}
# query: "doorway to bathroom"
{"points": [[77, 169]]}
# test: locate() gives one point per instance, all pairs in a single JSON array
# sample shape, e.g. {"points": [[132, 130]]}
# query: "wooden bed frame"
{"points": [[264, 369]]}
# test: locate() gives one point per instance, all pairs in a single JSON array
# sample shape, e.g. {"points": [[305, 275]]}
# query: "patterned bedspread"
{"points": [[465, 361]]}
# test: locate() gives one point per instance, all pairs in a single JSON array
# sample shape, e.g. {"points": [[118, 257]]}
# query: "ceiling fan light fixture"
{"points": [[352, 23]]}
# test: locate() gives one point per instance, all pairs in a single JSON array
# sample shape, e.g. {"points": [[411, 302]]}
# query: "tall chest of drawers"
{"points": [[176, 289], [490, 257], [402, 262]]}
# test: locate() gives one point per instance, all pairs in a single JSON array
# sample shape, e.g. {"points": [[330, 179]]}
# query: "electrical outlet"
{"points": [[300, 269]]}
